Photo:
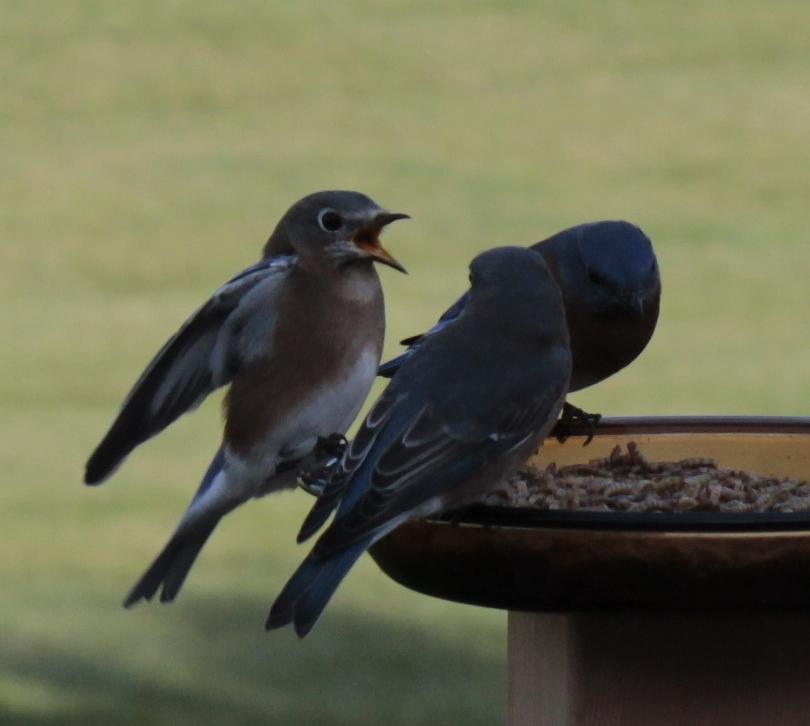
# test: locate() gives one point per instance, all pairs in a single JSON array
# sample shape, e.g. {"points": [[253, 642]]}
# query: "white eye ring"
{"points": [[329, 220]]}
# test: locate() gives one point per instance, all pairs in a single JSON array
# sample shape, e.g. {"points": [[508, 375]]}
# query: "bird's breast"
{"points": [[324, 357], [603, 345]]}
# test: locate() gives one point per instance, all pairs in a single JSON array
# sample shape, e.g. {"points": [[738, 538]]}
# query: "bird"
{"points": [[464, 411], [298, 336], [611, 287]]}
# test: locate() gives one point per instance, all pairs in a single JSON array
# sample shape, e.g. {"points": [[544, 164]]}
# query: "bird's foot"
{"points": [[574, 422], [326, 455], [331, 446]]}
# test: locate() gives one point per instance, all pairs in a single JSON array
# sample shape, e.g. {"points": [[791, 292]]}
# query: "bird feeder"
{"points": [[639, 619]]}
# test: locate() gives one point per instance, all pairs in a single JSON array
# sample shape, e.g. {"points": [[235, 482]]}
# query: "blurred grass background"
{"points": [[147, 150]]}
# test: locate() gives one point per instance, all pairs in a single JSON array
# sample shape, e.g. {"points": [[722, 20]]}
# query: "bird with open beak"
{"points": [[298, 336]]}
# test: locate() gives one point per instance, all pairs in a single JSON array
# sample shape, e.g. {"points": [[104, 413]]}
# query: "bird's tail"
{"points": [[309, 590], [171, 567]]}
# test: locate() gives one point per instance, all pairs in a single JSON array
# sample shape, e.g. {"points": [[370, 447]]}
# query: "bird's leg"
{"points": [[573, 420], [326, 455]]}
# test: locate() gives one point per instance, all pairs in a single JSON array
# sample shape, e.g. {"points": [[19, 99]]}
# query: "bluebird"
{"points": [[611, 288], [298, 336], [466, 408]]}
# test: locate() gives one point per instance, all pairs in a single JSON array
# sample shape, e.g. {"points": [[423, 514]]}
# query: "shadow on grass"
{"points": [[223, 669]]}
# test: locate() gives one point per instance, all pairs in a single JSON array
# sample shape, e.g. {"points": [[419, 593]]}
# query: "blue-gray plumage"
{"points": [[611, 288], [298, 336], [464, 411]]}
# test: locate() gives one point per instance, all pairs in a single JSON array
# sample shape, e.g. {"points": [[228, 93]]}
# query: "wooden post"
{"points": [[659, 669]]}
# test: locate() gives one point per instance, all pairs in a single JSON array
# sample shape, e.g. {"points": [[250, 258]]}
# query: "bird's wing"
{"points": [[389, 368], [418, 457], [201, 356], [348, 465], [396, 466]]}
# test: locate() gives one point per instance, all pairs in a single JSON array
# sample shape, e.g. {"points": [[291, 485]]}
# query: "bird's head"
{"points": [[515, 284], [619, 270], [504, 269], [340, 227]]}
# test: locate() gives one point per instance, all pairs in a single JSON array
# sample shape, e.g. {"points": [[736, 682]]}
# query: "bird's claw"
{"points": [[333, 445], [327, 453], [572, 422]]}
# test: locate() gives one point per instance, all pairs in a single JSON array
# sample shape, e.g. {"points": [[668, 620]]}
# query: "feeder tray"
{"points": [[653, 606]]}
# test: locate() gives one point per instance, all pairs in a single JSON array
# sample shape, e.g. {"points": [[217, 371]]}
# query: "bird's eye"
{"points": [[329, 220]]}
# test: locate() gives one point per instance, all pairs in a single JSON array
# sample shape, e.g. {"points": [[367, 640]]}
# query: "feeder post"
{"points": [[659, 669]]}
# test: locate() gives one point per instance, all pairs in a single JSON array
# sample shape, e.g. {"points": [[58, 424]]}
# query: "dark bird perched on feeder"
{"points": [[298, 336], [611, 288], [467, 407]]}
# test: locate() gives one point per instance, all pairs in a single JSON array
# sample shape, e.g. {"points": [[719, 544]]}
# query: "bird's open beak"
{"points": [[367, 239]]}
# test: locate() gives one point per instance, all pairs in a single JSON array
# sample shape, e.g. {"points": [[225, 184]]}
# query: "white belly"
{"points": [[332, 408]]}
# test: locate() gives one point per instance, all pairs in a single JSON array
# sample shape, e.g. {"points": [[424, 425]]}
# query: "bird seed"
{"points": [[628, 482]]}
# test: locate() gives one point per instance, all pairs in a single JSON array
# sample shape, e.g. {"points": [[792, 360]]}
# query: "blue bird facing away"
{"points": [[611, 287], [298, 336], [466, 408]]}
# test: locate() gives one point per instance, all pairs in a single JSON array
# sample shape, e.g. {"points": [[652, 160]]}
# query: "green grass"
{"points": [[148, 149]]}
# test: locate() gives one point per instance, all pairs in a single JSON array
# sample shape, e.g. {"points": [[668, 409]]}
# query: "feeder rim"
{"points": [[488, 516], [640, 425]]}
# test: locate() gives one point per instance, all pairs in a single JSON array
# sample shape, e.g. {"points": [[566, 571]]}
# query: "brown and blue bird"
{"points": [[298, 336], [466, 408], [611, 288]]}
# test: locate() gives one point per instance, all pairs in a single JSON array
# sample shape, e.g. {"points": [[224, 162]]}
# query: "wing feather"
{"points": [[203, 355], [412, 344], [424, 457]]}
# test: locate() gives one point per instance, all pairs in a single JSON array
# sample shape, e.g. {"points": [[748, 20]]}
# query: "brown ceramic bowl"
{"points": [[564, 561]]}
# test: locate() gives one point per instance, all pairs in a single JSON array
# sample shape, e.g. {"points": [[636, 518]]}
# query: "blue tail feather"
{"points": [[309, 590], [309, 608]]}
